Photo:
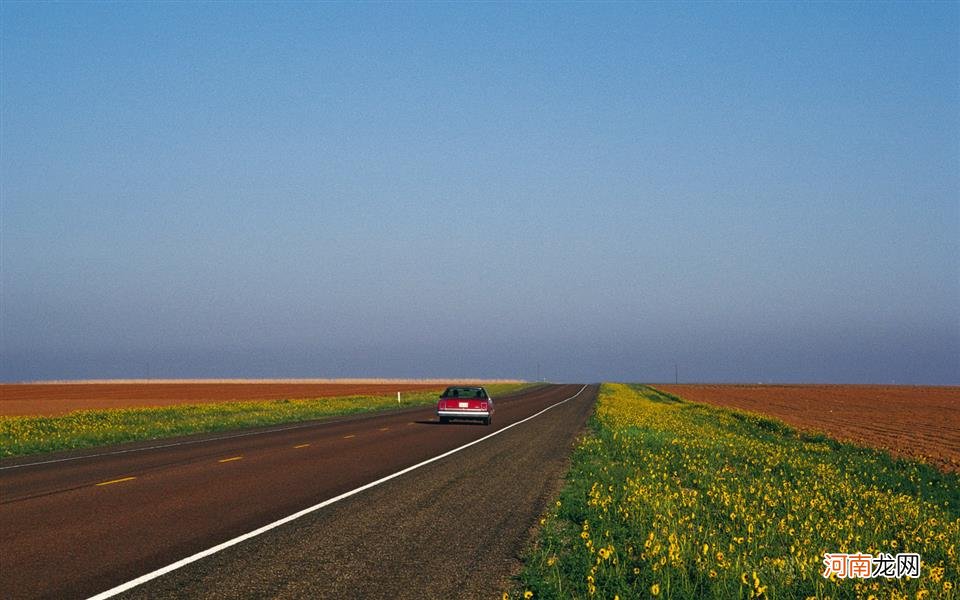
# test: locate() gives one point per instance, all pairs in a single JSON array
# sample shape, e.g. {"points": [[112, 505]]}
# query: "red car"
{"points": [[462, 402]]}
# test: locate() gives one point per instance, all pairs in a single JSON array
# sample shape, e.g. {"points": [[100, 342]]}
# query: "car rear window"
{"points": [[460, 392]]}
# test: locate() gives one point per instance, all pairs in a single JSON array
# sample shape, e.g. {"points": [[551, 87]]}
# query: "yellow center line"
{"points": [[302, 446], [116, 480], [347, 437], [223, 460], [384, 429]]}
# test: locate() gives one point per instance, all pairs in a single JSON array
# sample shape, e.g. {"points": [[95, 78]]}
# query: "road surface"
{"points": [[453, 527]]}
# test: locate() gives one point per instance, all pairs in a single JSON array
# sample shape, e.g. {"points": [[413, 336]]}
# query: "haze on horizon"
{"points": [[753, 192]]}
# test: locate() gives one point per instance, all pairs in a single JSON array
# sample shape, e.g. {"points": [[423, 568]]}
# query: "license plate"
{"points": [[464, 404]]}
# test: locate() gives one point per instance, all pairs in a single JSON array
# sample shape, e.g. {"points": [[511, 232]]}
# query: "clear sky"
{"points": [[753, 192]]}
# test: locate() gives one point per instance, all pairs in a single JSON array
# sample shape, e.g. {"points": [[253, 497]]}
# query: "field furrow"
{"points": [[920, 422]]}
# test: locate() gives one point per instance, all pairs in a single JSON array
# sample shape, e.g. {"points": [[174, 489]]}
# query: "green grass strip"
{"points": [[672, 499], [89, 428]]}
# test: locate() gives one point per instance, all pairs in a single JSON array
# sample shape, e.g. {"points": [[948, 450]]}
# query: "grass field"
{"points": [[667, 498], [88, 428]]}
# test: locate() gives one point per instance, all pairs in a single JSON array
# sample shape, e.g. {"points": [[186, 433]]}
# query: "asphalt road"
{"points": [[452, 528]]}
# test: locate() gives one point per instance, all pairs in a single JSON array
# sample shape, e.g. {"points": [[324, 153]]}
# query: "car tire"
{"points": [[444, 420], [488, 420]]}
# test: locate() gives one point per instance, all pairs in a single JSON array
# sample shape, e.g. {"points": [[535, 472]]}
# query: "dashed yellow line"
{"points": [[223, 460], [384, 429], [302, 446], [121, 480], [347, 437]]}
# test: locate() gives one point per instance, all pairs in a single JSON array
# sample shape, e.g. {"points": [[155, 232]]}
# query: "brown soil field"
{"points": [[62, 398], [913, 422]]}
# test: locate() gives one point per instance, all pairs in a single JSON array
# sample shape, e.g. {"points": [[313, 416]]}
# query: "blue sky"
{"points": [[755, 192]]}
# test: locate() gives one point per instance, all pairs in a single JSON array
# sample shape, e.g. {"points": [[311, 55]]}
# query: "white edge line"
{"points": [[209, 551]]}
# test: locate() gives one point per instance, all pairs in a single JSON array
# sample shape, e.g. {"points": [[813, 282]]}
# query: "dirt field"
{"points": [[61, 398], [916, 422]]}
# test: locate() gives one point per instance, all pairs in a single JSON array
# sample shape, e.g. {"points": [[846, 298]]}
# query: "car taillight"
{"points": [[483, 406]]}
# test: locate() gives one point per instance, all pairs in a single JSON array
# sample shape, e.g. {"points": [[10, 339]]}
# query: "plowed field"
{"points": [[913, 422], [61, 398]]}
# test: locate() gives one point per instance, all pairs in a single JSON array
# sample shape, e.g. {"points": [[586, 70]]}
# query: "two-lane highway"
{"points": [[77, 527]]}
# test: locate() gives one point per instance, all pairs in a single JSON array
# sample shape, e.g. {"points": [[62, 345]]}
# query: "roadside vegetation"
{"points": [[88, 428], [672, 499]]}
